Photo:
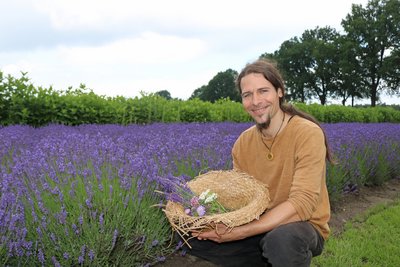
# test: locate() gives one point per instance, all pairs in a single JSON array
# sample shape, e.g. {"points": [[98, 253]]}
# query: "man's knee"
{"points": [[284, 246]]}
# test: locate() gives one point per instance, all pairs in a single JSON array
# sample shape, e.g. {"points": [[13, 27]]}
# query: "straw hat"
{"points": [[245, 197]]}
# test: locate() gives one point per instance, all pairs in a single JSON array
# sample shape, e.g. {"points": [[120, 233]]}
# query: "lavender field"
{"points": [[84, 195]]}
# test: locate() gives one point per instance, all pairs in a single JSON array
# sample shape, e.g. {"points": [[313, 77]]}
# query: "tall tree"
{"points": [[310, 64], [320, 46], [164, 93], [349, 84], [198, 93], [293, 61], [375, 31], [220, 86]]}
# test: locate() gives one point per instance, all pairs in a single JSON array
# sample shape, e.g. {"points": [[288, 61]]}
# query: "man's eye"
{"points": [[245, 95]]}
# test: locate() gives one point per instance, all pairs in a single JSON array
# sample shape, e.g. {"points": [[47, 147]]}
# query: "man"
{"points": [[286, 149]]}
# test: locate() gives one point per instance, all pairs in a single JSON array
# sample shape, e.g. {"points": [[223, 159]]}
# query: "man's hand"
{"points": [[220, 234]]}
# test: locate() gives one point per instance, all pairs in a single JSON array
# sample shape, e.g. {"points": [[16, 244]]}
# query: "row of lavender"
{"points": [[85, 195]]}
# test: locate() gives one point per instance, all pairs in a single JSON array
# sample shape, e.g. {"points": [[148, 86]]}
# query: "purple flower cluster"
{"points": [[59, 183], [55, 181], [366, 153]]}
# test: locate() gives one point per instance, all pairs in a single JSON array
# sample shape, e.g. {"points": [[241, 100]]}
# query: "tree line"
{"points": [[323, 64]]}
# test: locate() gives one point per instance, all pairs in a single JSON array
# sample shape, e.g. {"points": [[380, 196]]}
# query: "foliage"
{"points": [[219, 87], [357, 245], [22, 103], [375, 34], [165, 94], [362, 63]]}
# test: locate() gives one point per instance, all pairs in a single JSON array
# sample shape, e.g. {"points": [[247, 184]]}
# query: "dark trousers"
{"points": [[292, 244]]}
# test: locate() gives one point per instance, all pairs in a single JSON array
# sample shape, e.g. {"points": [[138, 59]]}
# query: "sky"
{"points": [[125, 47]]}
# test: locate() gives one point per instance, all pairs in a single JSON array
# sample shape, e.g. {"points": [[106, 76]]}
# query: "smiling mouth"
{"points": [[259, 111]]}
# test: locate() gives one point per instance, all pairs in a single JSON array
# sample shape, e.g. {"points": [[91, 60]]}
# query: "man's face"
{"points": [[260, 98]]}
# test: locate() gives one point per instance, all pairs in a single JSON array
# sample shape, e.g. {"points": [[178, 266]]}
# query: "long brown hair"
{"points": [[270, 72]]}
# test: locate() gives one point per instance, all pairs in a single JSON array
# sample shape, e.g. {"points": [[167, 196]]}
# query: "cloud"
{"points": [[206, 14], [148, 48], [151, 45]]}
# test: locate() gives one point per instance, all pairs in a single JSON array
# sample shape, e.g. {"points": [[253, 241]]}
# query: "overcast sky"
{"points": [[122, 47]]}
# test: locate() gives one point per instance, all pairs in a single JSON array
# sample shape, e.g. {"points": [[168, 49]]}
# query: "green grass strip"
{"points": [[372, 239]]}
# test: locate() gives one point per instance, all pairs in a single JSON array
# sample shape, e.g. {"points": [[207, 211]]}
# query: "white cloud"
{"points": [[148, 48], [124, 46], [210, 14]]}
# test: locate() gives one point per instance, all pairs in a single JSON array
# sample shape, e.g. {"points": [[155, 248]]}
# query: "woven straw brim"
{"points": [[245, 197]]}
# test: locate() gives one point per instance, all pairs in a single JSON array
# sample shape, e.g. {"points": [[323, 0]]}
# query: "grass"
{"points": [[371, 239]]}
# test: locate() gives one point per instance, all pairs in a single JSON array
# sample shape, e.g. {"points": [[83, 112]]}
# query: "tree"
{"points": [[198, 93], [165, 94], [220, 86], [321, 48], [375, 31], [310, 64], [349, 83], [293, 62]]}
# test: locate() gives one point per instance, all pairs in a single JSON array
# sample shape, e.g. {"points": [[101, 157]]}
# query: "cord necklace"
{"points": [[270, 156]]}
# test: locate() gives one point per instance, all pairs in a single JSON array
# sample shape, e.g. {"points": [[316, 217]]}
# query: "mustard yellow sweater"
{"points": [[297, 172]]}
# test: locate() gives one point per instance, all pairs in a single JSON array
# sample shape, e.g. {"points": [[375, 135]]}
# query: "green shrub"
{"points": [[22, 103]]}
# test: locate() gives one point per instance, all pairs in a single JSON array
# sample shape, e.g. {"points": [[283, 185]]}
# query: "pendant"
{"points": [[270, 156]]}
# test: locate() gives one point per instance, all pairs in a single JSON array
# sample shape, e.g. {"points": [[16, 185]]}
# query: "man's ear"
{"points": [[280, 93]]}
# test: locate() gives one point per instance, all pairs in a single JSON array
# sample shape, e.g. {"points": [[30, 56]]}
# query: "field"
{"points": [[84, 195]]}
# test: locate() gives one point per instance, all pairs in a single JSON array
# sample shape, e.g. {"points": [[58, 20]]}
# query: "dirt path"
{"points": [[344, 210]]}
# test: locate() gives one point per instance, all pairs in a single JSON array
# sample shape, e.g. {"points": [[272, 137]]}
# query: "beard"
{"points": [[264, 125]]}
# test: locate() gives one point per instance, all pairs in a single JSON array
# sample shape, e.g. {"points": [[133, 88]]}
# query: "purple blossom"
{"points": [[101, 220], [81, 259], [57, 163], [201, 210], [91, 255], [88, 203], [80, 219], [41, 256], [154, 243], [115, 236], [161, 259], [188, 211], [55, 262]]}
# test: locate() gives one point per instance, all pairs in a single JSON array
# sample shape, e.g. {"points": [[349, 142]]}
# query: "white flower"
{"points": [[204, 194], [211, 198]]}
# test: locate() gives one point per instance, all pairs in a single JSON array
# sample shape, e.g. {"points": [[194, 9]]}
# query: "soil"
{"points": [[347, 208]]}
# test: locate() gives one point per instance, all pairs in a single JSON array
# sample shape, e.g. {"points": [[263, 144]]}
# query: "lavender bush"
{"points": [[84, 195]]}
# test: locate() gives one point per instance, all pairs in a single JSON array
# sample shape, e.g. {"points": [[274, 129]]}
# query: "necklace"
{"points": [[270, 156]]}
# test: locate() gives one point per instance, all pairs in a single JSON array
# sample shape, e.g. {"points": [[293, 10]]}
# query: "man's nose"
{"points": [[256, 98]]}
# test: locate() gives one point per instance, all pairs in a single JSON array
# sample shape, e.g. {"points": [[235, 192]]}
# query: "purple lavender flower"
{"points": [[55, 262], [91, 255], [154, 243], [80, 219], [88, 203], [201, 210], [115, 236], [81, 259], [161, 259], [60, 159], [41, 256], [179, 245], [101, 220], [188, 211]]}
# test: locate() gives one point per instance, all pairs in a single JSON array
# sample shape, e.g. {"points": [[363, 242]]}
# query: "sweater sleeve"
{"points": [[235, 153], [309, 172]]}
